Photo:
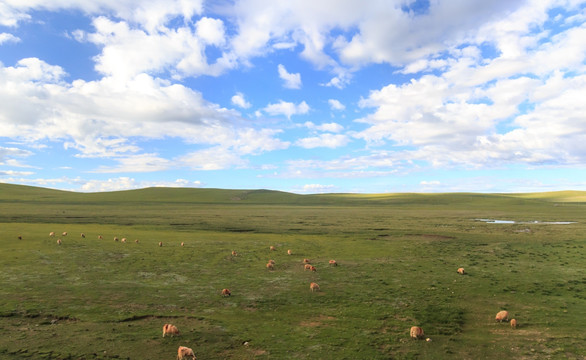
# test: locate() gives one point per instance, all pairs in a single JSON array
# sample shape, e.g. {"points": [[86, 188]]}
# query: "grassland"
{"points": [[397, 255]]}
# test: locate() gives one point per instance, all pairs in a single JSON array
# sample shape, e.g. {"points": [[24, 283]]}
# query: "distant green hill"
{"points": [[22, 193]]}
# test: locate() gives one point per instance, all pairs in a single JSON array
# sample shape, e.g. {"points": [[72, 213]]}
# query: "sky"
{"points": [[303, 96]]}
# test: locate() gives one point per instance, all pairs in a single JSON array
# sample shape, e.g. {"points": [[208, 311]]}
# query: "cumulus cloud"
{"points": [[150, 15], [8, 153], [238, 100], [287, 108], [316, 188], [6, 37], [336, 105], [329, 127], [101, 118], [323, 140], [128, 183], [291, 81]]}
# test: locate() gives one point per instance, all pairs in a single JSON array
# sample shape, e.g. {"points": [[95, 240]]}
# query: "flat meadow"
{"points": [[397, 256]]}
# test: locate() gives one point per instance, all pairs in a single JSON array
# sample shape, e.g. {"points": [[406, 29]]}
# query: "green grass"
{"points": [[397, 255]]}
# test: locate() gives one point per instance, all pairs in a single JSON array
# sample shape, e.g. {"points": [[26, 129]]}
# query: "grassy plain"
{"points": [[397, 255]]}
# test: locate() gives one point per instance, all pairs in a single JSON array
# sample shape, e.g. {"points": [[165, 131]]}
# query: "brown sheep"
{"points": [[272, 262], [502, 316], [416, 332], [272, 248], [123, 240], [136, 241], [160, 243], [169, 329], [82, 235], [115, 238], [307, 267], [100, 237], [234, 253], [333, 263], [313, 268], [182, 243], [52, 233], [184, 353], [64, 233], [271, 266], [226, 292], [19, 237], [314, 287], [288, 252], [513, 323], [306, 261], [58, 241], [461, 271]]}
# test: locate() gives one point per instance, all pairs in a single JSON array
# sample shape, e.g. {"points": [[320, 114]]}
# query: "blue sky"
{"points": [[301, 96]]}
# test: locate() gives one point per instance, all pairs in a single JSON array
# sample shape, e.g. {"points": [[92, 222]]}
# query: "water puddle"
{"points": [[494, 221]]}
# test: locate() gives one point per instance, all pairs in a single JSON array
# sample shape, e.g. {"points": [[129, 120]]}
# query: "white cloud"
{"points": [[15, 173], [317, 188], [149, 15], [329, 127], [104, 118], [137, 163], [6, 37], [127, 183], [291, 81], [7, 154], [210, 31], [323, 140], [336, 105], [430, 183], [10, 15], [216, 158], [238, 100], [287, 108], [127, 51]]}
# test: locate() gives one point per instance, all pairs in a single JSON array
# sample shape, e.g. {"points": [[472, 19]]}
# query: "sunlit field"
{"points": [[397, 257]]}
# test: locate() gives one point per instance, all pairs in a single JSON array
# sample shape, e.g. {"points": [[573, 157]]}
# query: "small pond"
{"points": [[495, 221]]}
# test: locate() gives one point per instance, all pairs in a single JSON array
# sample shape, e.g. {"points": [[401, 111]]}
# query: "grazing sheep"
{"points": [[234, 253], [52, 233], [64, 233], [169, 329], [306, 261], [184, 353], [182, 243], [271, 266], [288, 252], [58, 241], [226, 292], [307, 267], [416, 332], [272, 262], [272, 248], [461, 271], [123, 240], [160, 243], [115, 238], [19, 237], [514, 323], [314, 287], [136, 241], [502, 316], [333, 263], [100, 237], [313, 268], [82, 235]]}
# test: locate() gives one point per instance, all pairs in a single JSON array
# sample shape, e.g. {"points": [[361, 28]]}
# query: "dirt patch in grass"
{"points": [[319, 321]]}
